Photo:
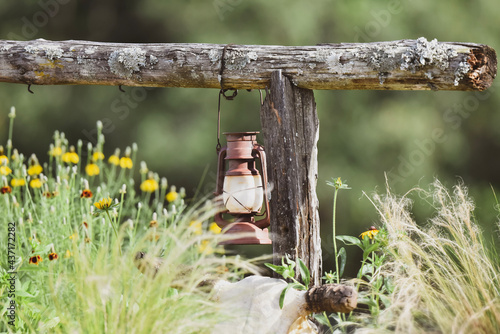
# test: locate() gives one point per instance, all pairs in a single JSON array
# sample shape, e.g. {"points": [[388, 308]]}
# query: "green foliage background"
{"points": [[362, 133]]}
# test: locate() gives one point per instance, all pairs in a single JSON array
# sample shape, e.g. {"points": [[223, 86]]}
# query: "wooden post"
{"points": [[291, 130]]}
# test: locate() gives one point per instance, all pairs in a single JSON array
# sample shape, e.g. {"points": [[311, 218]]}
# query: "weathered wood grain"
{"points": [[290, 128], [398, 65]]}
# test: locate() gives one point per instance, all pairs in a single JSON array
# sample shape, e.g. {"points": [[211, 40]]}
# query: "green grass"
{"points": [[94, 286], [445, 275]]}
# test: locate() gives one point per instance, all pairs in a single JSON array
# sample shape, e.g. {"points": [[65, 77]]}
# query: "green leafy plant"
{"points": [[286, 270]]}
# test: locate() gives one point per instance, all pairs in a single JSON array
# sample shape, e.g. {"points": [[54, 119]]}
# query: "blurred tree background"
{"points": [[363, 134]]}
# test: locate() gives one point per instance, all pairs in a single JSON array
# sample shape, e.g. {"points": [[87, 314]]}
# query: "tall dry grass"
{"points": [[446, 277]]}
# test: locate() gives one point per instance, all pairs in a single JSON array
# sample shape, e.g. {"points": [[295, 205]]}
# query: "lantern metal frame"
{"points": [[241, 152]]}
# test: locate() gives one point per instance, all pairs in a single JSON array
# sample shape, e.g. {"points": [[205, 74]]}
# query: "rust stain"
{"points": [[276, 113]]}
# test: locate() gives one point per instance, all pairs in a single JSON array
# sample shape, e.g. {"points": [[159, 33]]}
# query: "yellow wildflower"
{"points": [[3, 158], [17, 182], [114, 160], [68, 254], [70, 157], [4, 170], [370, 233], [73, 236], [172, 195], [205, 248], [56, 151], [53, 256], [98, 156], [36, 183], [149, 185], [86, 193], [92, 169], [104, 204], [35, 170], [196, 227], [126, 162], [35, 260], [214, 228], [5, 190]]}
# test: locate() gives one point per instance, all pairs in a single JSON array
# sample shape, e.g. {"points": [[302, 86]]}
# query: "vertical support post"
{"points": [[290, 128]]}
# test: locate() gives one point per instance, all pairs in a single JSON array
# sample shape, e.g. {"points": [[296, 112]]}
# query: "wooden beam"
{"points": [[398, 65], [290, 128]]}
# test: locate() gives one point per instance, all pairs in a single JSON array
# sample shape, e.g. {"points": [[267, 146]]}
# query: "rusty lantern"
{"points": [[243, 189]]}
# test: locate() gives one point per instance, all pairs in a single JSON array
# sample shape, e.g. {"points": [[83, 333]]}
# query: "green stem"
{"points": [[9, 147], [114, 229], [334, 236]]}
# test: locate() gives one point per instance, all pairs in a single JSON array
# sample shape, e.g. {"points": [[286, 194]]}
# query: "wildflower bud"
{"points": [[24, 172], [134, 147], [123, 190], [40, 222], [65, 183], [79, 143], [115, 213], [52, 209], [9, 144], [182, 192], [127, 151], [139, 205], [85, 184], [75, 170], [174, 211], [165, 212], [89, 147], [12, 113], [130, 223], [4, 180], [58, 179], [164, 183], [30, 219], [155, 216], [144, 168], [99, 125], [91, 210], [98, 190], [14, 201], [21, 222], [63, 136], [103, 221], [116, 201], [64, 220]]}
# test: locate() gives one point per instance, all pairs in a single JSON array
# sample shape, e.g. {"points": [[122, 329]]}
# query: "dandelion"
{"points": [[86, 193], [17, 182], [195, 226], [5, 190], [92, 169], [4, 170], [214, 228], [98, 156], [372, 232], [35, 259], [35, 169], [53, 256], [104, 204], [126, 162], [71, 156], [36, 183], [172, 195], [149, 185]]}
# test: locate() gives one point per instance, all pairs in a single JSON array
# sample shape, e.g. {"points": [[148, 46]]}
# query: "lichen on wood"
{"points": [[398, 65]]}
